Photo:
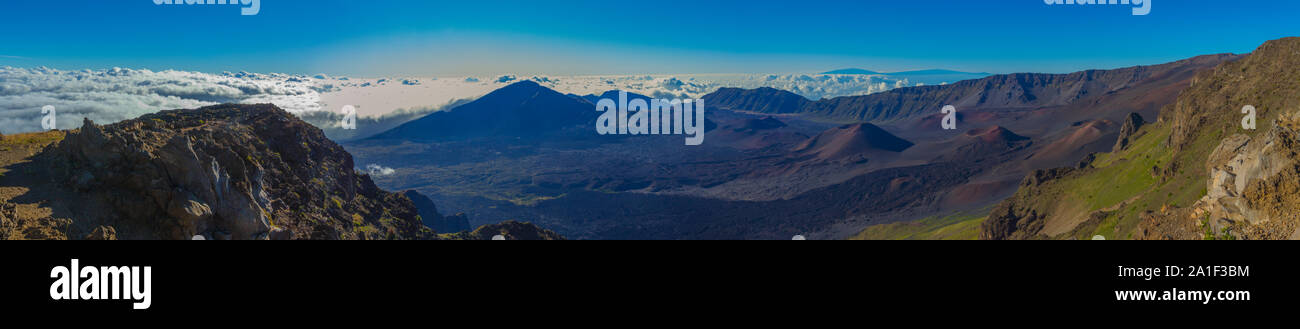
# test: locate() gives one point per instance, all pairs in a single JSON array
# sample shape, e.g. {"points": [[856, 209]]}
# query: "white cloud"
{"points": [[378, 170], [696, 85]]}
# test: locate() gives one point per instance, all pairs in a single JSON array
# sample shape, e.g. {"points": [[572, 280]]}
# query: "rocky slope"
{"points": [[223, 172], [1193, 174], [1252, 190], [227, 172], [1250, 176], [762, 100]]}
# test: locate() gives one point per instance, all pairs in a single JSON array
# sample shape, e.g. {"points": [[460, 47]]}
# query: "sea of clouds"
{"points": [[117, 94], [112, 95]]}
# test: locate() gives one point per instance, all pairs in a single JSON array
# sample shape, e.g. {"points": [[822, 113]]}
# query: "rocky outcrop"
{"points": [[1254, 185], [1018, 217], [102, 233], [434, 220], [510, 230], [242, 172], [14, 227], [1128, 131], [457, 223]]}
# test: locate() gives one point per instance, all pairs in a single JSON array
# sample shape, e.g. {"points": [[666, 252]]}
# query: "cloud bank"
{"points": [[112, 95], [117, 94]]}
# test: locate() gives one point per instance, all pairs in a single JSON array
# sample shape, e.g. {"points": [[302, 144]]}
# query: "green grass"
{"points": [[1123, 183], [959, 226], [1121, 176]]}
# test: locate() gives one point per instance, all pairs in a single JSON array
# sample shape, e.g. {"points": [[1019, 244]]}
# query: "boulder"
{"points": [[102, 233]]}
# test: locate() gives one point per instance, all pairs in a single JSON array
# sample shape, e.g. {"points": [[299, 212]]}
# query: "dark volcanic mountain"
{"points": [[522, 109]]}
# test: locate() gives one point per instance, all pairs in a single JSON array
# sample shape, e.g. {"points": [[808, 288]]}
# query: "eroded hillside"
{"points": [[1193, 174]]}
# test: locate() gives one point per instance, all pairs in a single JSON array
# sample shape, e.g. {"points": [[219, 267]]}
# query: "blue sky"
{"points": [[482, 37]]}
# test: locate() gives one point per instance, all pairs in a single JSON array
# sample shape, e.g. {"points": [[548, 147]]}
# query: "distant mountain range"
{"points": [[856, 71], [1007, 92], [919, 77]]}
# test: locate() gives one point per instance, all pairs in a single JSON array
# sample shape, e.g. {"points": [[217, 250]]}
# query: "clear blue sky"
{"points": [[482, 37]]}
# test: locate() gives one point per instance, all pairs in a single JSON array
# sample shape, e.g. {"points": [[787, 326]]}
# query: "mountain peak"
{"points": [[524, 108], [523, 84]]}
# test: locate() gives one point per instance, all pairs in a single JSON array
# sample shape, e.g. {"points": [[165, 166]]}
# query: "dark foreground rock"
{"points": [[508, 230], [223, 172]]}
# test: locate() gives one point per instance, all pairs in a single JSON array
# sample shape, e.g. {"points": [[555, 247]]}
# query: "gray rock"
{"points": [[1127, 132]]}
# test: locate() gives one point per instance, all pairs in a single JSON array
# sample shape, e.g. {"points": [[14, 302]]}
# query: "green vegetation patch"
{"points": [[957, 226]]}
